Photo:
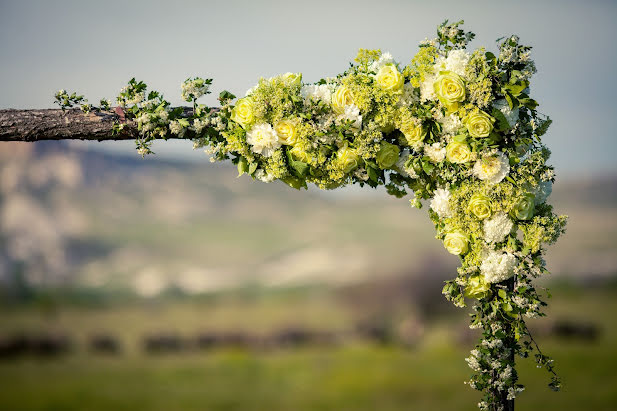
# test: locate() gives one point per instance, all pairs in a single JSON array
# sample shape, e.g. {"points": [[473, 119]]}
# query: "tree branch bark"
{"points": [[72, 124]]}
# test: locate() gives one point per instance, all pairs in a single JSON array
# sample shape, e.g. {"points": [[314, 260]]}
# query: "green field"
{"points": [[355, 375]]}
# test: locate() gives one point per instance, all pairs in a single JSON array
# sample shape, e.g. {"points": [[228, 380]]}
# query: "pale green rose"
{"points": [[456, 243], [340, 98], [287, 131], [450, 89], [299, 154], [458, 153], [293, 79], [477, 287], [348, 158], [242, 113], [480, 206], [387, 155], [414, 133], [479, 124], [524, 207], [389, 78]]}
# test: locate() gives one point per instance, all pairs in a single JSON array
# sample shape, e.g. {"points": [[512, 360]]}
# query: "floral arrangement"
{"points": [[457, 128]]}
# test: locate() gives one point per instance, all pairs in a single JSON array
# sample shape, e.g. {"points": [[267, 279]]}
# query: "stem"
{"points": [[508, 405]]}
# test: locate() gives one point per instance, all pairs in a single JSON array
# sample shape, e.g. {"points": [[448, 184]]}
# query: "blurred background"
{"points": [[168, 283]]}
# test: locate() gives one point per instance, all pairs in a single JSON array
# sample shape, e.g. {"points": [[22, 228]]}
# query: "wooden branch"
{"points": [[73, 124]]}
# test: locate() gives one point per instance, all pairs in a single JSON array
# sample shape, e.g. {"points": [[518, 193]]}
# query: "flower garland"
{"points": [[457, 128]]}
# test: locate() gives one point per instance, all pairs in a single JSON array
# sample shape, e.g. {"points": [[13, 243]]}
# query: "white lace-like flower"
{"points": [[457, 61], [436, 152], [498, 266], [427, 91], [492, 168], [441, 203], [386, 58], [263, 139], [316, 92], [261, 175], [497, 228], [450, 124], [251, 90], [176, 128], [351, 113], [408, 97]]}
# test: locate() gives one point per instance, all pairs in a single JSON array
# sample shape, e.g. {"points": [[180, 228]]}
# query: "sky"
{"points": [[94, 48]]}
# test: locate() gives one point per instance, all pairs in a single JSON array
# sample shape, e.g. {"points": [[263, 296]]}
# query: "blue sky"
{"points": [[95, 47]]}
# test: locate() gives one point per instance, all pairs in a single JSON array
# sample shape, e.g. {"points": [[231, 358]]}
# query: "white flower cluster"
{"points": [[176, 128], [492, 168], [456, 62], [441, 203], [450, 124], [317, 92], [497, 228], [386, 58], [351, 113], [263, 139], [498, 266], [192, 89], [436, 152]]}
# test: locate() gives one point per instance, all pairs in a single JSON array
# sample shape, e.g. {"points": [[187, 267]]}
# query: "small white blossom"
{"points": [[261, 175], [441, 203], [316, 92], [176, 128], [408, 97], [386, 58], [199, 125], [352, 113], [192, 89], [450, 124], [436, 152]]}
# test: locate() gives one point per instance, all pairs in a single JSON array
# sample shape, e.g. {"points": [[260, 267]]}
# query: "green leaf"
{"points": [[243, 166], [502, 293], [252, 168], [502, 123]]}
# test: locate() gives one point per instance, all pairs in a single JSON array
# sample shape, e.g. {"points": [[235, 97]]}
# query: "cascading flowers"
{"points": [[457, 128]]}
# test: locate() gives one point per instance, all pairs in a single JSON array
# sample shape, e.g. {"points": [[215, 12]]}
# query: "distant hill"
{"points": [[123, 224]]}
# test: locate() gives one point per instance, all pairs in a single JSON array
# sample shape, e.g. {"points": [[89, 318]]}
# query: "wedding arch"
{"points": [[457, 128]]}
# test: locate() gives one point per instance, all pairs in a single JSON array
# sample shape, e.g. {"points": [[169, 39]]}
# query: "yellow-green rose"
{"points": [[414, 133], [450, 89], [479, 124], [524, 207], [456, 243], [480, 206], [242, 113], [340, 98], [458, 153], [287, 131], [348, 158], [389, 78], [299, 154], [477, 287], [293, 79], [387, 155]]}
